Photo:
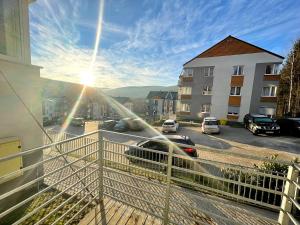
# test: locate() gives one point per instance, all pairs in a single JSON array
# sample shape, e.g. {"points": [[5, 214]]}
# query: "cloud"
{"points": [[150, 47]]}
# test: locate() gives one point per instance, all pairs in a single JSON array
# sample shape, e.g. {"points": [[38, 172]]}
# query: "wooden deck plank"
{"points": [[111, 212], [137, 218], [151, 220], [102, 212], [126, 216], [118, 215], [90, 217]]}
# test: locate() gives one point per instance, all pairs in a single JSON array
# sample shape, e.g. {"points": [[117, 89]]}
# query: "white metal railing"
{"points": [[78, 172], [290, 207], [245, 184]]}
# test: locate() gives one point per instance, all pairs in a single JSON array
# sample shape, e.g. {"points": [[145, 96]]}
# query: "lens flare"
{"points": [[87, 78]]}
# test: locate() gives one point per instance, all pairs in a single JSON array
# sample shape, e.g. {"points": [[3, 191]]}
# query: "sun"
{"points": [[87, 78]]}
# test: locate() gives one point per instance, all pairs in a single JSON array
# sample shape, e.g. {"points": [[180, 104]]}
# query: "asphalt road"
{"points": [[236, 140]]}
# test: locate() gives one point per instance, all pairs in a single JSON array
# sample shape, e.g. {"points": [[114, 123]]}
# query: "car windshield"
{"points": [[263, 120], [169, 123], [121, 123], [211, 123]]}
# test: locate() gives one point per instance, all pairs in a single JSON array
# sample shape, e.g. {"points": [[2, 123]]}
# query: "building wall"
{"points": [[259, 83], [15, 120], [223, 70]]}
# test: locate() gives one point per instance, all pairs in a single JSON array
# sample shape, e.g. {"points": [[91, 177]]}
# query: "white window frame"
{"points": [[240, 70], [235, 91], [185, 90], [207, 90], [187, 72], [23, 44], [273, 67], [210, 71], [187, 107], [233, 113], [270, 91], [205, 107]]}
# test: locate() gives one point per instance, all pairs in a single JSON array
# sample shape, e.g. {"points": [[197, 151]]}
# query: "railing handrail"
{"points": [[103, 154]]}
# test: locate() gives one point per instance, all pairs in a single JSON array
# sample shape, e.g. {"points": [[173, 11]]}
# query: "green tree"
{"points": [[291, 66]]}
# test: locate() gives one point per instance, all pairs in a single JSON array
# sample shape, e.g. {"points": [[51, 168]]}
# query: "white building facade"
{"points": [[228, 81], [18, 132]]}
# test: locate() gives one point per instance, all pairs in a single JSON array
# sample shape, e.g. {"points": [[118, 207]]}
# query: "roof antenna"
{"points": [[44, 131]]}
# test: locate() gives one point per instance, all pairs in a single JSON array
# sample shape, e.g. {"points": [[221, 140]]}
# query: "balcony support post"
{"points": [[100, 164], [289, 192], [168, 188]]}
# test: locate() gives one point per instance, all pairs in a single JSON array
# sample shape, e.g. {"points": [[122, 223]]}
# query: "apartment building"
{"points": [[19, 132], [161, 103], [229, 80]]}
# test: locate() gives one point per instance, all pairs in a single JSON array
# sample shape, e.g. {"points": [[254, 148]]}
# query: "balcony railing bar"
{"points": [[228, 180], [57, 208], [135, 177], [77, 203], [35, 165], [132, 186], [103, 169], [45, 190], [22, 187]]}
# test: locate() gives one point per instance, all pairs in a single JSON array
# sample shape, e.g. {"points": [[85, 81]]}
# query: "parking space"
{"points": [[230, 141]]}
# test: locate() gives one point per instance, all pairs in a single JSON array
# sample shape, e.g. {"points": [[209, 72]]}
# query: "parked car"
{"points": [[122, 125], [210, 126], [136, 124], [289, 126], [160, 146], [78, 122], [261, 124], [170, 126], [108, 125]]}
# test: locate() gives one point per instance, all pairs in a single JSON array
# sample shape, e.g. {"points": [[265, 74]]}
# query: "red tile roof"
{"points": [[232, 46]]}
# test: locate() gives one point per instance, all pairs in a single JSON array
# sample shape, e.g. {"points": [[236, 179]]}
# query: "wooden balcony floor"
{"points": [[112, 212]]}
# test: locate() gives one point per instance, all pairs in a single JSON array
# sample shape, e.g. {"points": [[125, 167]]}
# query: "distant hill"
{"points": [[137, 91], [55, 88]]}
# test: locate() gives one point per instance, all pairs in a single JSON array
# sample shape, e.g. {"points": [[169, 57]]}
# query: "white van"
{"points": [[210, 126]]}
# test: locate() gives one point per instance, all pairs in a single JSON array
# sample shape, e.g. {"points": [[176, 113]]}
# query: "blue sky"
{"points": [[145, 42]]}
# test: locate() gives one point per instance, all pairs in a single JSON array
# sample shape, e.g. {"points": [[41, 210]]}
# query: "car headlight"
{"points": [[258, 127], [277, 127]]}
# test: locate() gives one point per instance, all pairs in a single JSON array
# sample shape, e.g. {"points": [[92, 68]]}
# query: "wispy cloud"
{"points": [[149, 48]]}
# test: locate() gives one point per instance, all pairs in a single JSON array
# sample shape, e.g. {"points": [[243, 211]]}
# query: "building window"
{"points": [[205, 108], [155, 102], [235, 91], [10, 32], [185, 90], [187, 72], [207, 90], [207, 71], [185, 107], [238, 70], [269, 91], [273, 69], [268, 111], [233, 110]]}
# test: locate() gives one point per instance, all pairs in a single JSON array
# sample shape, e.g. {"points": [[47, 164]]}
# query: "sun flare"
{"points": [[87, 78]]}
